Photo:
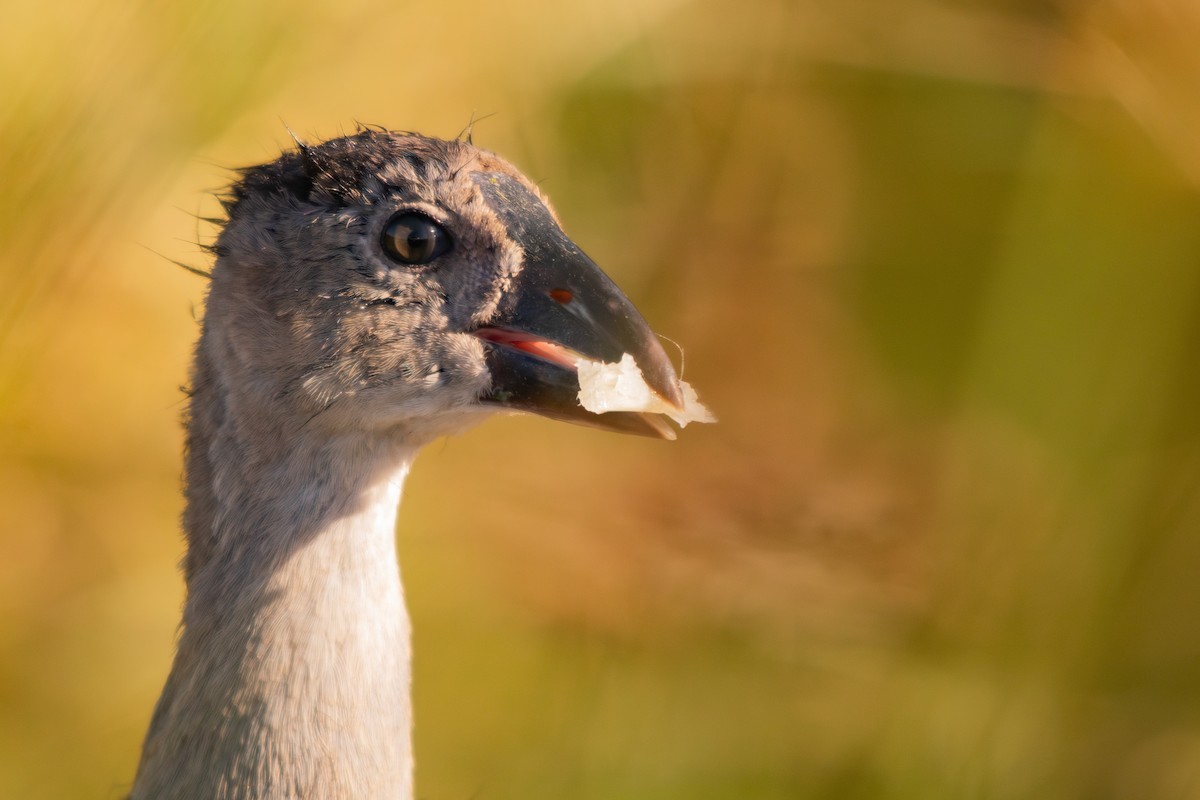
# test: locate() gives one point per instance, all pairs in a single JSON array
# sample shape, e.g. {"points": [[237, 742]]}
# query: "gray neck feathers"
{"points": [[292, 673]]}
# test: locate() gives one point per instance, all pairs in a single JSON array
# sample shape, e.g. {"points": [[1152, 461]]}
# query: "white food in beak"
{"points": [[621, 387]]}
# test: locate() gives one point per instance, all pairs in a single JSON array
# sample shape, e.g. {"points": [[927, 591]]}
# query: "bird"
{"points": [[368, 294]]}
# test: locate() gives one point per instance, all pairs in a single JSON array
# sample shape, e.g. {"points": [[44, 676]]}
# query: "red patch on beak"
{"points": [[528, 343]]}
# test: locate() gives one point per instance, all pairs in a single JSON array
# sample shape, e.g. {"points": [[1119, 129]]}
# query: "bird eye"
{"points": [[412, 238]]}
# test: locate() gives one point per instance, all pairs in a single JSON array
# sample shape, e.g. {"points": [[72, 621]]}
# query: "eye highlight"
{"points": [[413, 238]]}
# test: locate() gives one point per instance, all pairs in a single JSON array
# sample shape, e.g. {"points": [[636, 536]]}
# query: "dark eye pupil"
{"points": [[413, 238]]}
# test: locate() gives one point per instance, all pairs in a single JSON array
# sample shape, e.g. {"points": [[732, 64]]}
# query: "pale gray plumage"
{"points": [[323, 366]]}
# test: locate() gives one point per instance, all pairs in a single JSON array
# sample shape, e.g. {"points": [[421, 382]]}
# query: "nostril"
{"points": [[562, 296]]}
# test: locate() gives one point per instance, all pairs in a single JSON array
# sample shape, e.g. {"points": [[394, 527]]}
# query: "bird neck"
{"points": [[292, 673]]}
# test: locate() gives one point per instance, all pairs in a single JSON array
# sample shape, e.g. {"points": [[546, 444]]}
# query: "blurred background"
{"points": [[935, 264]]}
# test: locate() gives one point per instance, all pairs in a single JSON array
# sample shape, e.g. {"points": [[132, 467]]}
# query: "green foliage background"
{"points": [[935, 264]]}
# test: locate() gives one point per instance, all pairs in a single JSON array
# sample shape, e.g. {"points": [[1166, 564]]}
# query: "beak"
{"points": [[560, 307]]}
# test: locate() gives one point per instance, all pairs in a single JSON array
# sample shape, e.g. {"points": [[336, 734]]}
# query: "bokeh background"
{"points": [[934, 263]]}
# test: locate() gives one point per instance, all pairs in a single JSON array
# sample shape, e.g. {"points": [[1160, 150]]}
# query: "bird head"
{"points": [[386, 280]]}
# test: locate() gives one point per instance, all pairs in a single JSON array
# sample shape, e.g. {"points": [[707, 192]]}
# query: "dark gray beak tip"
{"points": [[660, 374]]}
